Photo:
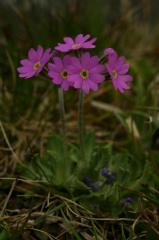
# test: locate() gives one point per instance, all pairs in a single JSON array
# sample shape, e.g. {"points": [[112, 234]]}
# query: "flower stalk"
{"points": [[63, 133], [62, 111], [81, 124]]}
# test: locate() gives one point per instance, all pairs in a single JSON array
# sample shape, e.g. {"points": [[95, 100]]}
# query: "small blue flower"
{"points": [[109, 175], [94, 186], [88, 181], [127, 201], [105, 171]]}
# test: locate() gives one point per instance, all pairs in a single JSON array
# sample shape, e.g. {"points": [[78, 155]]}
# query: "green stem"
{"points": [[81, 124], [62, 111], [63, 134]]}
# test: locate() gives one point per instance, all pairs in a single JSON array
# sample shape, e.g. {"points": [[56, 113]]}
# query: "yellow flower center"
{"points": [[64, 74], [84, 74], [114, 73], [36, 65], [76, 45]]}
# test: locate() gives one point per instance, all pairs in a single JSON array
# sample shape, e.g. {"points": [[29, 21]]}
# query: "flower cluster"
{"points": [[35, 62], [109, 175], [110, 178], [118, 69], [127, 201], [91, 184], [77, 68]]}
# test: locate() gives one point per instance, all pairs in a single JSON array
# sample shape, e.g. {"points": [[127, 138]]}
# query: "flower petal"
{"points": [[57, 80], [58, 62], [123, 69], [63, 47], [26, 62], [85, 86], [46, 56], [69, 40], [39, 51], [27, 75], [32, 55], [126, 78], [120, 62], [65, 85], [76, 63], [93, 85], [88, 45], [73, 78], [98, 78], [98, 69], [85, 58], [53, 74], [25, 69], [79, 38], [67, 60]]}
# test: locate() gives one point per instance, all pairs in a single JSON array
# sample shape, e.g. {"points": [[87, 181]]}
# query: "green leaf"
{"points": [[90, 144], [4, 235]]}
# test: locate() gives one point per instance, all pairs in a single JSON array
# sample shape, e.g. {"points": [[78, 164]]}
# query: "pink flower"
{"points": [[80, 41], [58, 71], [35, 62], [110, 53], [118, 69], [86, 72]]}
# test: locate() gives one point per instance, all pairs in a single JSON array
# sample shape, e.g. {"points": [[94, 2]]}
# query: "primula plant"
{"points": [[84, 167]]}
